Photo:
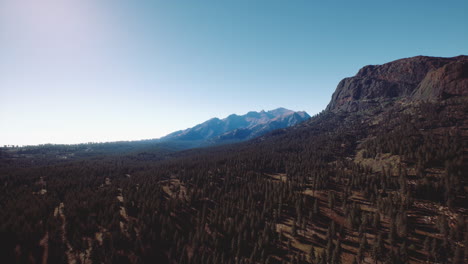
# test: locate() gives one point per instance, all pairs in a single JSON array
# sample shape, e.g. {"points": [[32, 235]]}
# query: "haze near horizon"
{"points": [[80, 70]]}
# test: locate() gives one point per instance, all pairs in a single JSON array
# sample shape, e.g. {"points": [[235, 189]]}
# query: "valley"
{"points": [[379, 176]]}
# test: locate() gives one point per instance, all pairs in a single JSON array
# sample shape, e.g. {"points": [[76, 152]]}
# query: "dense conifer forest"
{"points": [[385, 185]]}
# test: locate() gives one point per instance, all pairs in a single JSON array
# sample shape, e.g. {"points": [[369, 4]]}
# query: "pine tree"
{"points": [[378, 248], [312, 253], [316, 207], [294, 229], [331, 200], [458, 256], [427, 244], [336, 258]]}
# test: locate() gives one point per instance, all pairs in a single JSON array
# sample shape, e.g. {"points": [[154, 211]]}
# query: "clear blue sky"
{"points": [[104, 70]]}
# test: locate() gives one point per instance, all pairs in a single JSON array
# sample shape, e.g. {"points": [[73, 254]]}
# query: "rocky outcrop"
{"points": [[447, 81], [419, 78]]}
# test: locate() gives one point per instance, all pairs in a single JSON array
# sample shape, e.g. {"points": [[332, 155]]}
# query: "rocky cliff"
{"points": [[417, 78]]}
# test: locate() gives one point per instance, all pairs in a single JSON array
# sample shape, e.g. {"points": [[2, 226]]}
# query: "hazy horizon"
{"points": [[82, 71], [143, 139]]}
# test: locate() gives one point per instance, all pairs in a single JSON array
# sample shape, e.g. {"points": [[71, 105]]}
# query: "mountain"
{"points": [[380, 176], [231, 129], [416, 78], [235, 128]]}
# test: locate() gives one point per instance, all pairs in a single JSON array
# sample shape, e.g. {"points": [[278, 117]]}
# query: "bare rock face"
{"points": [[419, 78], [447, 81]]}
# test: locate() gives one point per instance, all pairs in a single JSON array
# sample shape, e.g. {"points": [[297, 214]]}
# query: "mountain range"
{"points": [[235, 128], [232, 129], [379, 176]]}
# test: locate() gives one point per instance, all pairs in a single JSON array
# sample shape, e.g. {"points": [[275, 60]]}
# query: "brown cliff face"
{"points": [[449, 80], [419, 78]]}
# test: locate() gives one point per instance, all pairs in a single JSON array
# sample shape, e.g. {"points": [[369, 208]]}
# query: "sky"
{"points": [[74, 71]]}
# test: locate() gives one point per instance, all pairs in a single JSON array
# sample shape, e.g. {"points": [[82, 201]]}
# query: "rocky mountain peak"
{"points": [[236, 128], [418, 78]]}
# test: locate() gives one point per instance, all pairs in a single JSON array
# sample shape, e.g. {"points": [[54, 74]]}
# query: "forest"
{"points": [[385, 185]]}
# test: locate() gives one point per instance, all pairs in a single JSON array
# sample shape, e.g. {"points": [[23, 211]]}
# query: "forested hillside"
{"points": [[365, 182]]}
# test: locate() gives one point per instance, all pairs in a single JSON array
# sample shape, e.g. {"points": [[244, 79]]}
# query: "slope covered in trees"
{"points": [[384, 184]]}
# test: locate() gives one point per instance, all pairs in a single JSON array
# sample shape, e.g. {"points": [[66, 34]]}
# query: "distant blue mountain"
{"points": [[235, 128]]}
